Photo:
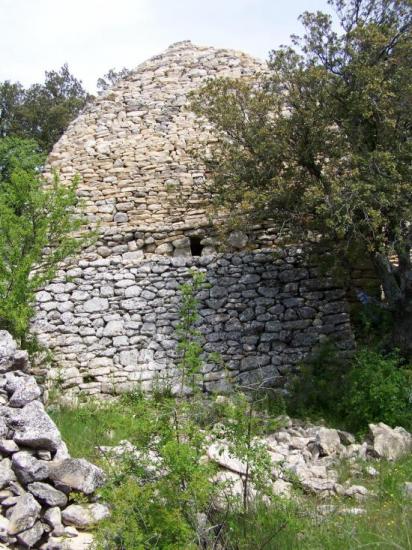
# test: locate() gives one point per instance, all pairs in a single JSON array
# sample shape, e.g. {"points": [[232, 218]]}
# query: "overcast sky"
{"points": [[94, 35]]}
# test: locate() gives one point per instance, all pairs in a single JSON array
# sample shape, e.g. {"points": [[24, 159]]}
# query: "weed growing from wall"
{"points": [[189, 345]]}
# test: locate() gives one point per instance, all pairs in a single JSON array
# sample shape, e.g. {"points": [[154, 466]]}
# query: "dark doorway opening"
{"points": [[195, 246]]}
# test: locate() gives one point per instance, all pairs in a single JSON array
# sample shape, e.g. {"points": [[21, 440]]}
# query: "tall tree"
{"points": [[42, 111], [323, 143], [110, 78], [11, 98], [38, 223]]}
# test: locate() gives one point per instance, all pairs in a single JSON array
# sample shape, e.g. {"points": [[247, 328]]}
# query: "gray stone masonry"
{"points": [[111, 325]]}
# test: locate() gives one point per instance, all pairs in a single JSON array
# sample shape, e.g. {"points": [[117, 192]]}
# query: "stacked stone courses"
{"points": [[110, 316], [134, 151], [112, 327]]}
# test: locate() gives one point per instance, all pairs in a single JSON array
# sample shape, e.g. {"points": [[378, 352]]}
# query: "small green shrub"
{"points": [[148, 512], [39, 227], [189, 346], [378, 389], [158, 508], [143, 518], [372, 388], [318, 387], [373, 325]]}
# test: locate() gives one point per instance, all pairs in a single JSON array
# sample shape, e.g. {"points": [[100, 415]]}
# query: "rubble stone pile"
{"points": [[302, 455], [37, 474], [309, 455]]}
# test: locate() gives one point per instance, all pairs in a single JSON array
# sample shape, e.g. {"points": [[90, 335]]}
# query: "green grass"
{"points": [[386, 524], [286, 525], [103, 423], [85, 428]]}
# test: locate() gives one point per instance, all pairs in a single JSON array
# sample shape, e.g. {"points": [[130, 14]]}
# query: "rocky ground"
{"points": [[48, 500], [37, 475], [301, 455], [308, 456]]}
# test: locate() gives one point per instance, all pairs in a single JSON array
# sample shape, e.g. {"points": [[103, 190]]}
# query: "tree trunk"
{"points": [[402, 332], [397, 286]]}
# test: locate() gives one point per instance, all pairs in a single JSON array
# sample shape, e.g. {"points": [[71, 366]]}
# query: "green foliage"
{"points": [[372, 388], [322, 143], [319, 385], [158, 507], [111, 78], [379, 389], [36, 226], [189, 344], [373, 326], [19, 154], [142, 520], [43, 111], [243, 424], [11, 97], [149, 513]]}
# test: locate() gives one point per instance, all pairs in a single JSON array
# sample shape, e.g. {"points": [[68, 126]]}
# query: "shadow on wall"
{"points": [[112, 327]]}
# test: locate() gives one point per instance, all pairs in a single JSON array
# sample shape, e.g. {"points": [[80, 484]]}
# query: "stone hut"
{"points": [[110, 316]]}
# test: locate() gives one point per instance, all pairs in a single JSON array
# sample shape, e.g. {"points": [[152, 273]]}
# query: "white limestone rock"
{"points": [[53, 517], [83, 541], [4, 528], [8, 348], [27, 391], [47, 494], [238, 239], [34, 428], [389, 443], [11, 358], [77, 474], [8, 446], [328, 441], [359, 492], [282, 488], [28, 468], [24, 514], [6, 473], [29, 537], [96, 305], [84, 516], [114, 328], [219, 453], [4, 429]]}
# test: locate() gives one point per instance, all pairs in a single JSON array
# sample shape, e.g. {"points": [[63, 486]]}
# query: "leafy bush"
{"points": [[378, 389], [147, 513], [373, 388], [373, 325], [318, 386]]}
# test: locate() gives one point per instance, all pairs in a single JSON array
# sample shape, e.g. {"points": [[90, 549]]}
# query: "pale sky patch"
{"points": [[93, 36]]}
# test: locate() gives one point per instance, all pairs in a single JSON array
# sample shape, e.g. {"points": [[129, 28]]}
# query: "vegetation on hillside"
{"points": [[372, 387], [321, 144]]}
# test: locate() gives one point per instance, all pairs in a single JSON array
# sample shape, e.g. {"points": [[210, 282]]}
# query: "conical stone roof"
{"points": [[131, 147]]}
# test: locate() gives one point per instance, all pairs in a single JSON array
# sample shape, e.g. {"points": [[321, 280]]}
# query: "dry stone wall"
{"points": [[112, 327], [134, 151], [110, 317]]}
